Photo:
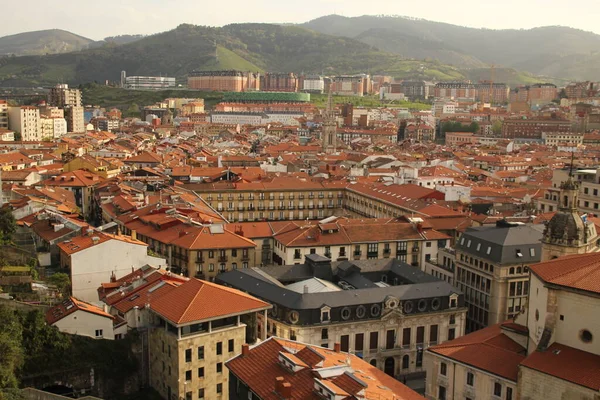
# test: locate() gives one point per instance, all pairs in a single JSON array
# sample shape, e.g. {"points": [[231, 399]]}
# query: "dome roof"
{"points": [[563, 225]]}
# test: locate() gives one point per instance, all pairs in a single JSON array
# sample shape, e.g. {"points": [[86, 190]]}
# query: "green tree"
{"points": [[497, 128], [8, 225], [11, 348], [61, 281]]}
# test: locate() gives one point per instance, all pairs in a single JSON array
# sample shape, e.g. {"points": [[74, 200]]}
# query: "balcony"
{"points": [[222, 259], [311, 206], [219, 209], [330, 196], [340, 196], [297, 256], [200, 260], [245, 257], [330, 205], [311, 196], [301, 197], [321, 196], [415, 249], [261, 208], [328, 254], [372, 254], [300, 207], [271, 207], [320, 206], [241, 208], [357, 254], [282, 207], [291, 197]]}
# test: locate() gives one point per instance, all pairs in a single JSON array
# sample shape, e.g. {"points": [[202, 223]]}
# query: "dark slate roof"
{"points": [[415, 284], [502, 244]]}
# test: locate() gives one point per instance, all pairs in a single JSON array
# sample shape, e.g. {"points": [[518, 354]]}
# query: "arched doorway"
{"points": [[373, 362], [390, 366]]}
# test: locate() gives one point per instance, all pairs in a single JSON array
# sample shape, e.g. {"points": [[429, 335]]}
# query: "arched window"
{"points": [[511, 270], [518, 270]]}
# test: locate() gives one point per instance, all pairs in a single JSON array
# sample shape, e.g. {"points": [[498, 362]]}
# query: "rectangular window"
{"points": [[406, 337], [230, 345], [509, 393], [390, 339], [200, 394], [420, 334], [219, 388], [188, 355], [201, 353], [451, 333], [345, 343], [219, 368], [324, 333], [433, 334], [443, 369], [188, 375], [359, 341], [497, 389], [470, 378], [99, 333], [201, 372], [441, 393], [219, 348], [373, 340]]}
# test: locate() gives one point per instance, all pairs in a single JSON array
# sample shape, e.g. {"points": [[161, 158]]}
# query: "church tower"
{"points": [[329, 129], [568, 233]]}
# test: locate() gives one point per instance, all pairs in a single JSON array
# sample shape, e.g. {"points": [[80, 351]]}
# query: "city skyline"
{"points": [[151, 16]]}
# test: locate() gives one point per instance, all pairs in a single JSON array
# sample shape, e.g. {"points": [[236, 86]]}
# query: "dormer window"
{"points": [[519, 254], [325, 314]]}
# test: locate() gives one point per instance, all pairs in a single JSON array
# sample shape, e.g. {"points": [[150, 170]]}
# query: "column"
{"points": [[264, 330]]}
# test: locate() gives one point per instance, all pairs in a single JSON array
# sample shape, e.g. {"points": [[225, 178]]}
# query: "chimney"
{"points": [[286, 390], [337, 347], [84, 230], [245, 349], [305, 288], [278, 383], [134, 234]]}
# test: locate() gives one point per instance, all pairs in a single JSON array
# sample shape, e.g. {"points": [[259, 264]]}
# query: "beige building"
{"points": [[61, 95], [196, 328], [492, 269], [3, 114], [75, 119], [386, 312], [548, 352], [53, 127], [25, 121]]}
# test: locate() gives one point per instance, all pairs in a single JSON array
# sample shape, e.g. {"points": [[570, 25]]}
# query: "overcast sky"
{"points": [[98, 19]]}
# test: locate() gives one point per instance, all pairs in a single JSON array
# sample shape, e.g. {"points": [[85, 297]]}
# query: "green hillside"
{"points": [[552, 51], [50, 41]]}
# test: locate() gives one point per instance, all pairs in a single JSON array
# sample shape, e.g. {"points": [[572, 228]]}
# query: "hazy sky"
{"points": [[98, 19]]}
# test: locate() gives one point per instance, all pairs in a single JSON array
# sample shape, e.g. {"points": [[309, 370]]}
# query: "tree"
{"points": [[11, 348], [61, 281], [8, 226], [497, 128]]}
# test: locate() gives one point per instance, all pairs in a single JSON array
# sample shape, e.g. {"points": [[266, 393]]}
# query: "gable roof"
{"points": [[488, 349], [577, 272], [197, 300], [71, 305]]}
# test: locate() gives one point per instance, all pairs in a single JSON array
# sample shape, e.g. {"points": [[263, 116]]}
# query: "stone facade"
{"points": [[535, 385]]}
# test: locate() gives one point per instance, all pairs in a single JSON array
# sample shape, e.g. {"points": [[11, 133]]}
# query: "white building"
{"points": [[313, 84], [93, 258], [6, 135], [53, 127], [148, 82], [26, 121], [79, 318]]}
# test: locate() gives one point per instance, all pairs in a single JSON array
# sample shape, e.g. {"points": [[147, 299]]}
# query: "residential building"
{"points": [[192, 244], [279, 82], [492, 270], [348, 85], [61, 96], [313, 84], [588, 196], [98, 166], [279, 368], [25, 121], [76, 317], [541, 353], [3, 114], [346, 239], [195, 328], [148, 82], [223, 81], [414, 90], [92, 258], [53, 127], [6, 135], [578, 90], [534, 94], [488, 92], [453, 90], [384, 311], [75, 119], [82, 184], [533, 128]]}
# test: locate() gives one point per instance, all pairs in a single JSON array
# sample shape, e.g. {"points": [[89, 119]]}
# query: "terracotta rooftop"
{"points": [[197, 300], [488, 349], [71, 305], [580, 272], [348, 375], [567, 363]]}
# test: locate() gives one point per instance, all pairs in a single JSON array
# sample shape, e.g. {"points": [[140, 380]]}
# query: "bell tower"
{"points": [[329, 129], [568, 233]]}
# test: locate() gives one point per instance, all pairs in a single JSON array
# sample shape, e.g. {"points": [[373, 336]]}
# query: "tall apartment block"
{"points": [[25, 121], [69, 99], [224, 81], [3, 114]]}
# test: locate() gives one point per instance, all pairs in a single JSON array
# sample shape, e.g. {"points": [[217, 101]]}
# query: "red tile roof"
{"points": [[71, 305], [567, 363], [80, 243], [198, 300], [260, 368], [488, 349], [578, 272]]}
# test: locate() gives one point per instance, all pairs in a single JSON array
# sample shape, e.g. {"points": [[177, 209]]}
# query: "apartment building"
{"points": [[75, 119], [497, 93], [588, 196], [148, 82], [282, 368], [53, 127], [492, 269], [279, 82], [385, 312], [348, 85], [414, 90], [408, 240], [92, 258], [195, 328], [3, 114], [454, 90], [223, 81], [61, 95], [536, 93], [82, 184], [547, 352], [192, 244], [312, 84], [533, 128], [25, 120]]}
